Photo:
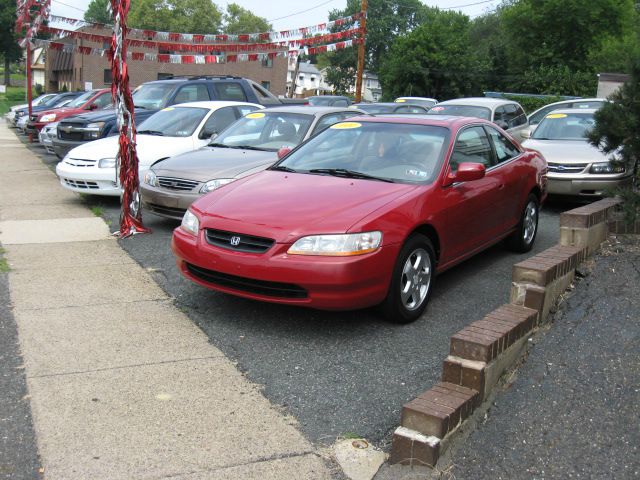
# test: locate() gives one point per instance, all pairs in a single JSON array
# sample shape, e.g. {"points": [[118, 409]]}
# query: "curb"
{"points": [[481, 352]]}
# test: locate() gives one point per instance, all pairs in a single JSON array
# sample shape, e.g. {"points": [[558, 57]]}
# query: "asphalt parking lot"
{"points": [[336, 373]]}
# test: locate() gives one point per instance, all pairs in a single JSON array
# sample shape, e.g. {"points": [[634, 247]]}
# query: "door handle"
{"points": [[501, 186]]}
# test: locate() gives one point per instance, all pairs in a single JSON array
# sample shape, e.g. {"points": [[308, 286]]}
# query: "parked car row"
{"points": [[334, 207]]}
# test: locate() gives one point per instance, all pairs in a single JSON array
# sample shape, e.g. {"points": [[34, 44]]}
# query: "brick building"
{"points": [[76, 71]]}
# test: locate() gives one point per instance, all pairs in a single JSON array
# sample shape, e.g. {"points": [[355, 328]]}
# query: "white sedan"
{"points": [[91, 167]]}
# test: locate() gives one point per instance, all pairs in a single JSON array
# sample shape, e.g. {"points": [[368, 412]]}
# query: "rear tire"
{"points": [[521, 241], [412, 281]]}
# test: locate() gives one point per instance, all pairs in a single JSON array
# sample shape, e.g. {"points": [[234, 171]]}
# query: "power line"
{"points": [[302, 11], [467, 5], [70, 6]]}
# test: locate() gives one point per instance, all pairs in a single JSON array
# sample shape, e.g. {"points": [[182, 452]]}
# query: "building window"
{"points": [[267, 62], [108, 76], [301, 78], [266, 85]]}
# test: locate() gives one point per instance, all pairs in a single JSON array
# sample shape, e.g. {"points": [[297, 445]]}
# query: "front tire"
{"points": [[412, 281], [521, 241]]}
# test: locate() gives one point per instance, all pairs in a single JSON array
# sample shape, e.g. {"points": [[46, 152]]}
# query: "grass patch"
{"points": [[97, 211], [4, 266], [13, 96]]}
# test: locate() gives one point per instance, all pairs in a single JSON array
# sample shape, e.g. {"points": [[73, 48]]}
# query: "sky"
{"points": [[298, 14]]}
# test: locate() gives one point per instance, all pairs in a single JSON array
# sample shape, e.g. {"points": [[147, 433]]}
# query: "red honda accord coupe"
{"points": [[365, 213]]}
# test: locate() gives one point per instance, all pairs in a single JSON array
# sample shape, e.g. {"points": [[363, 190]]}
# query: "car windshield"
{"points": [[417, 101], [374, 150], [462, 111], [266, 130], [81, 100], [53, 101], [173, 122], [152, 96], [320, 102], [564, 126]]}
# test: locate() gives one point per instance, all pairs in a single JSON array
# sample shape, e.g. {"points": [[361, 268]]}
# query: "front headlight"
{"points": [[107, 163], [150, 178], [93, 129], [607, 167], [49, 117], [337, 245], [190, 223], [211, 185]]}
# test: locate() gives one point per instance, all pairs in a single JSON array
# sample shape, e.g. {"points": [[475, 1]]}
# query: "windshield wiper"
{"points": [[249, 147], [158, 133], [220, 145], [343, 172], [282, 168]]}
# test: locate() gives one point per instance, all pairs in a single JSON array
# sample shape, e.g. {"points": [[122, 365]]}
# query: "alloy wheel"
{"points": [[415, 279]]}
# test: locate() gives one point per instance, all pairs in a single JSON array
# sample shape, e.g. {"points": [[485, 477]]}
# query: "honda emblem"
{"points": [[235, 241]]}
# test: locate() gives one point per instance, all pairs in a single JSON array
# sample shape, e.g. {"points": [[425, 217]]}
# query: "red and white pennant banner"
{"points": [[198, 59], [26, 18], [216, 38], [204, 47]]}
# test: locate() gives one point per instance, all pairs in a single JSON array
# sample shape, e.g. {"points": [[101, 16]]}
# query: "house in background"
{"points": [[371, 88], [610, 82], [307, 80], [38, 67], [81, 72]]}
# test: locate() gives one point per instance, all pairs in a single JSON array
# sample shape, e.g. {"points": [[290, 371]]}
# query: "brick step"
{"points": [[440, 410]]}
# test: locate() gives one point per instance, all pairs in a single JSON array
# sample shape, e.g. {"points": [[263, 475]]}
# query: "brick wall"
{"points": [[88, 68]]}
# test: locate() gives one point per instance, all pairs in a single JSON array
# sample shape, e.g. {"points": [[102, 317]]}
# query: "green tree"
{"points": [[434, 60], [98, 12], [616, 133], [386, 20], [188, 16], [9, 47], [240, 20]]}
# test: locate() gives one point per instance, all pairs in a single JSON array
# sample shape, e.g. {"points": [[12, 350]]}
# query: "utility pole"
{"points": [[295, 77], [29, 95], [363, 34]]}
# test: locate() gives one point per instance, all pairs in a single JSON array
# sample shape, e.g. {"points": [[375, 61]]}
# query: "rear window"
{"points": [[462, 111], [231, 92]]}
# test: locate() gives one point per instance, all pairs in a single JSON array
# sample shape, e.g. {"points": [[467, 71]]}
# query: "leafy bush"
{"points": [[15, 94]]}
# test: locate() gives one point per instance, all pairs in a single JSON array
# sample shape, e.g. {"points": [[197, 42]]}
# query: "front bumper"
{"points": [[585, 185], [46, 140], [34, 127], [326, 283], [166, 203], [88, 179]]}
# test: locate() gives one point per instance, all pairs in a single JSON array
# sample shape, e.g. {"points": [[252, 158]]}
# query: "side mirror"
{"points": [[468, 172], [93, 106], [207, 135], [283, 152], [526, 133]]}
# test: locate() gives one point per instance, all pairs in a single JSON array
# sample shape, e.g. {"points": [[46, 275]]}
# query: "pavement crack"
{"points": [[121, 367]]}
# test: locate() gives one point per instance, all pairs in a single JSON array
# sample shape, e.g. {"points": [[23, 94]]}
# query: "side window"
{"points": [[521, 117], [511, 112], [244, 109], [327, 121], [229, 91], [472, 145], [218, 121], [192, 93], [505, 150], [340, 103], [500, 115], [103, 100], [537, 117]]}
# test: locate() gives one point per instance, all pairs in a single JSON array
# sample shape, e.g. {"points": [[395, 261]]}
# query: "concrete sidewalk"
{"points": [[122, 384]]}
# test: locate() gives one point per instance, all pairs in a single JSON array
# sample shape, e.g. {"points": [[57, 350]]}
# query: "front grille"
{"points": [[238, 242], [259, 287], [81, 184], [177, 183], [33, 118], [167, 211], [566, 168], [73, 136], [79, 162]]}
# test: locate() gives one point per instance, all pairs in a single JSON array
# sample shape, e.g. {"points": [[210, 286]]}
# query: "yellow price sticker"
{"points": [[255, 115], [168, 109], [557, 115], [346, 125], [400, 100]]}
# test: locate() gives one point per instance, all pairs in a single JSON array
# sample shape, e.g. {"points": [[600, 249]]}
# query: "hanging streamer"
{"points": [[127, 158]]}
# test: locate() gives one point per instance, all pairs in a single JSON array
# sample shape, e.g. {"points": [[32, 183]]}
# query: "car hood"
{"points": [[286, 206], [150, 148], [209, 163], [104, 115], [62, 112], [566, 151]]}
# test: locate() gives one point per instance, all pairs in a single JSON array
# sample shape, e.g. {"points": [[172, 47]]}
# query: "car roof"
{"points": [[328, 96], [417, 98], [214, 104], [447, 121], [575, 100], [488, 102], [309, 109]]}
